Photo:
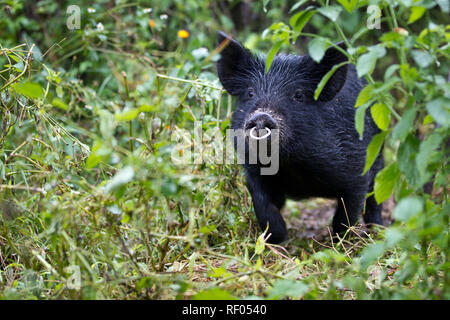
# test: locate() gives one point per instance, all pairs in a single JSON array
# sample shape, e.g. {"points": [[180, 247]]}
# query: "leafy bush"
{"points": [[93, 206]]}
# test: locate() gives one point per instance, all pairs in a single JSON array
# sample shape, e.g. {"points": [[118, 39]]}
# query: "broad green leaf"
{"points": [[303, 20], [371, 254], [366, 62], [408, 208], [439, 109], [127, 115], [30, 90], [295, 17], [349, 5], [416, 14], [317, 47], [364, 95], [391, 36], [331, 12], [407, 159], [148, 108], [405, 125], [288, 288], [385, 182], [272, 54], [390, 71], [392, 237], [422, 58], [427, 150], [100, 152], [374, 149], [60, 104], [381, 115], [427, 120]]}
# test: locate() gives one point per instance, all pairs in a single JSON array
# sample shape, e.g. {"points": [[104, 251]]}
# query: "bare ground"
{"points": [[311, 219]]}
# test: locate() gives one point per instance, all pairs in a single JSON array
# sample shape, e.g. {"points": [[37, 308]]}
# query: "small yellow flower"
{"points": [[151, 23], [183, 34]]}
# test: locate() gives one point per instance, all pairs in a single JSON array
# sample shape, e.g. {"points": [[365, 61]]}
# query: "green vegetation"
{"points": [[88, 190]]}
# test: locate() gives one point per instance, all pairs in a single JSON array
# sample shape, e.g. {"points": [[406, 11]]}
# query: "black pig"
{"points": [[320, 153]]}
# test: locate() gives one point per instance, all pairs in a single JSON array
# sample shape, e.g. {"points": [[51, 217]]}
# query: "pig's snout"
{"points": [[260, 125]]}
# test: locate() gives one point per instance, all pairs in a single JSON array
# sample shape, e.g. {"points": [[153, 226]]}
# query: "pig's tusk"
{"points": [[252, 133]]}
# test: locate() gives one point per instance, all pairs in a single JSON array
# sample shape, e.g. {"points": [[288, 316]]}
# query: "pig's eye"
{"points": [[299, 96], [251, 92]]}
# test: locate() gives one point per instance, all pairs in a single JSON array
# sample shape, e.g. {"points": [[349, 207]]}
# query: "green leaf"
{"points": [[385, 182], [416, 14], [293, 20], [30, 90], [427, 150], [366, 62], [298, 5], [260, 244], [405, 124], [371, 254], [390, 71], [325, 79], [348, 5], [121, 178], [219, 272], [302, 20], [214, 294], [148, 108], [391, 36], [381, 115], [360, 119], [331, 12], [439, 109], [288, 288], [364, 95], [422, 58], [272, 54], [407, 159], [317, 47], [127, 115], [60, 104], [374, 149], [392, 237], [100, 152], [408, 208]]}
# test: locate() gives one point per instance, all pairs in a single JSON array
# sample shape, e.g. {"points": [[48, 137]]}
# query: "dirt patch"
{"points": [[312, 218]]}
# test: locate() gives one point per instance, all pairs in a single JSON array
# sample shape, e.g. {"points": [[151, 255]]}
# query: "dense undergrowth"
{"points": [[94, 207]]}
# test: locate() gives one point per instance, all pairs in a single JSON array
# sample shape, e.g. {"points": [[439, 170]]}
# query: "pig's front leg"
{"points": [[267, 202]]}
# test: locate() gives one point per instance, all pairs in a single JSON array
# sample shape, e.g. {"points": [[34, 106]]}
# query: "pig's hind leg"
{"points": [[348, 211]]}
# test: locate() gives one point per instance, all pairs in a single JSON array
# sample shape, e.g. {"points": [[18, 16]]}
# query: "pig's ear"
{"points": [[331, 58], [235, 64]]}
